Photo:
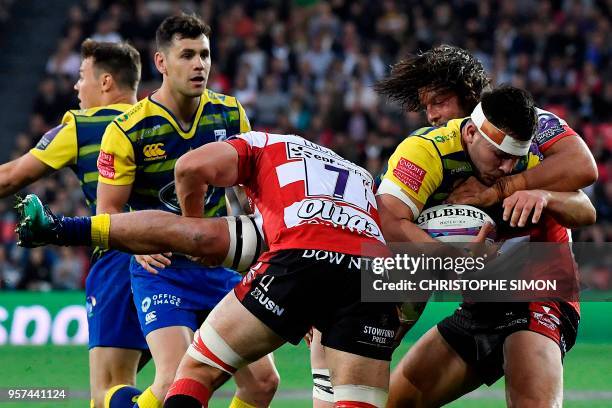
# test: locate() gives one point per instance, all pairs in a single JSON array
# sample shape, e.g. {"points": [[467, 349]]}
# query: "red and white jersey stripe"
{"points": [[549, 230], [308, 196]]}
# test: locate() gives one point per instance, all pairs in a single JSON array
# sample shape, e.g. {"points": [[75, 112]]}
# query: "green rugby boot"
{"points": [[37, 225]]}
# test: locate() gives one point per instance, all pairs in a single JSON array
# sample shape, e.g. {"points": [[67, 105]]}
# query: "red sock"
{"points": [[352, 404], [190, 388]]}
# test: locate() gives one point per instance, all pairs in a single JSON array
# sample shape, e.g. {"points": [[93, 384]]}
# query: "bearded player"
{"points": [[446, 82], [482, 341]]}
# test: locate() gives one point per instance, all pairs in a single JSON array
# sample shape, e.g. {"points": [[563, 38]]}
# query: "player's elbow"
{"points": [[390, 226], [586, 170], [189, 166], [587, 215], [590, 216]]}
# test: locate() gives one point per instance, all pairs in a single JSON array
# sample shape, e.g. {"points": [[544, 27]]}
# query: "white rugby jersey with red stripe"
{"points": [[308, 196]]}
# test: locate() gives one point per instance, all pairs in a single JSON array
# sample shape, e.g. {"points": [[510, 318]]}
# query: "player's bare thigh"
{"points": [[110, 366], [430, 374], [533, 370]]}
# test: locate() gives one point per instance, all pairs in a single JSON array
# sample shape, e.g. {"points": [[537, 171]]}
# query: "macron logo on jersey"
{"points": [[106, 165], [410, 174]]}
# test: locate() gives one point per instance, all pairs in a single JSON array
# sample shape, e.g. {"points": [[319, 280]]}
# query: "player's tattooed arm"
{"points": [[570, 209], [212, 164]]}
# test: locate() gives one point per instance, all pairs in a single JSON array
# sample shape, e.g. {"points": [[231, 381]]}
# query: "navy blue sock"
{"points": [[74, 231], [182, 401], [122, 396]]}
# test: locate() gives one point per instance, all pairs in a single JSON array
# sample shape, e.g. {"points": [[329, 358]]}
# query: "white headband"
{"points": [[499, 139]]}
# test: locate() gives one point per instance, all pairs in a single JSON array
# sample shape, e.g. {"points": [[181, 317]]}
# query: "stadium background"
{"points": [[304, 67]]}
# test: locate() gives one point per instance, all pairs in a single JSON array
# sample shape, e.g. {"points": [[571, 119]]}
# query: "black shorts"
{"points": [[477, 331], [293, 290]]}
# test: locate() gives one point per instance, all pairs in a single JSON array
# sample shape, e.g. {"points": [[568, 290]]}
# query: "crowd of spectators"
{"points": [[308, 67]]}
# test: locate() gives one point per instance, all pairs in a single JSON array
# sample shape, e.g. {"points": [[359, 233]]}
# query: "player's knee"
{"points": [[521, 400], [162, 383], [403, 393], [261, 388]]}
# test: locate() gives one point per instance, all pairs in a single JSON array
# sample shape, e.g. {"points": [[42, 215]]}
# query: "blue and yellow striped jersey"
{"points": [[75, 143], [142, 146], [427, 165]]}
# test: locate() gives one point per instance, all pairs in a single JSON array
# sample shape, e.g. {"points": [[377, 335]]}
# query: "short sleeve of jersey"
{"points": [[551, 129], [116, 162], [245, 158], [58, 147], [414, 172], [245, 125]]}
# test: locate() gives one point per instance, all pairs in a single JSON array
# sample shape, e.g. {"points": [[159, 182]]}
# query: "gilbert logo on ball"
{"points": [[453, 223]]}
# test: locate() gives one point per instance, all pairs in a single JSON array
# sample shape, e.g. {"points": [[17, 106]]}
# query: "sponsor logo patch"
{"points": [[106, 165], [378, 335], [48, 137], [146, 304], [410, 174], [266, 302], [166, 299], [550, 127], [337, 215]]}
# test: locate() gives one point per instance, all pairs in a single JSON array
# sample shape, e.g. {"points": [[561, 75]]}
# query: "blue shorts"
{"points": [[181, 294], [111, 314]]}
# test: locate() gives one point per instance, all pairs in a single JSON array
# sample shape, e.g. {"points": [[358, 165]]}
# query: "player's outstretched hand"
{"points": [[36, 225], [521, 204], [150, 262], [473, 192]]}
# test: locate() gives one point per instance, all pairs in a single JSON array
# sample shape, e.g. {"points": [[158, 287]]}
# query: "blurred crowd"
{"points": [[307, 67]]}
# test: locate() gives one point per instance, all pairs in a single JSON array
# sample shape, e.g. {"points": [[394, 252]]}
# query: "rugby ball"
{"points": [[453, 223]]}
